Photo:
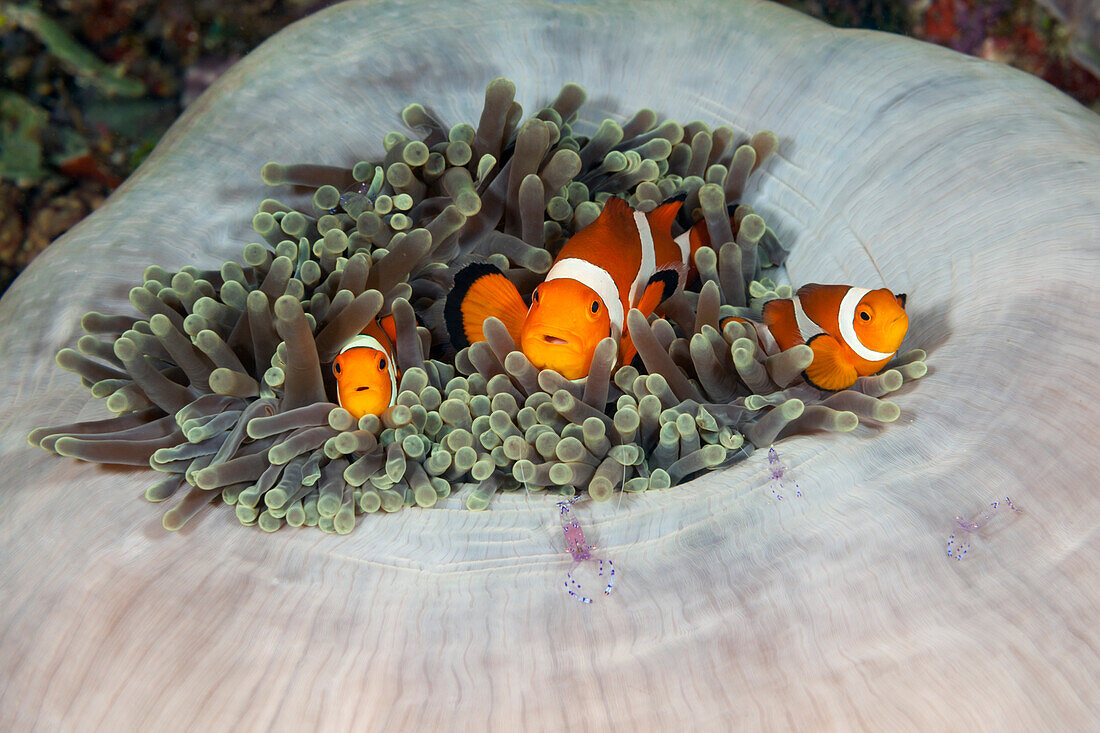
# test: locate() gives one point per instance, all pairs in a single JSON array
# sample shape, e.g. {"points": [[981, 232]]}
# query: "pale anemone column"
{"points": [[971, 187]]}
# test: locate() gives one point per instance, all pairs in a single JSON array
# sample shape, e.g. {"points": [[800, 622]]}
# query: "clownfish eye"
{"points": [[535, 296], [382, 364], [595, 306], [336, 368], [865, 315]]}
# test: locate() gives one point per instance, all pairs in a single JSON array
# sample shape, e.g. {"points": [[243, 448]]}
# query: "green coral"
{"points": [[81, 63], [21, 126]]}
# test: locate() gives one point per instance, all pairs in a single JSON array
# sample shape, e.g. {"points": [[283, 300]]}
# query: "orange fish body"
{"points": [[624, 259], [853, 331], [366, 375]]}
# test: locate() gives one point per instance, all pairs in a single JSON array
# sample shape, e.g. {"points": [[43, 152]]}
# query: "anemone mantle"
{"points": [[972, 187]]}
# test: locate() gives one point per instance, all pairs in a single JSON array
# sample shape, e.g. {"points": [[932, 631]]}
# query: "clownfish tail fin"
{"points": [[700, 234], [389, 327], [482, 291]]}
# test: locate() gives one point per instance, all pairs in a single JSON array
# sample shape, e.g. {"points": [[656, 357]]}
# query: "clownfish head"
{"points": [[880, 321], [566, 321], [364, 380]]}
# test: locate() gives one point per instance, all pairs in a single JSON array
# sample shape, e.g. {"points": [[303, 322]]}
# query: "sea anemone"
{"points": [[221, 384], [968, 186]]}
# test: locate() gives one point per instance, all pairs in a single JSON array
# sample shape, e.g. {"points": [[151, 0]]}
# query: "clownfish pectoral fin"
{"points": [[901, 300], [388, 327], [482, 291], [780, 320], [829, 370], [662, 284], [660, 287]]}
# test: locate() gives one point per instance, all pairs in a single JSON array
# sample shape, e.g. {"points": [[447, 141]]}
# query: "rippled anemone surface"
{"points": [[971, 187]]}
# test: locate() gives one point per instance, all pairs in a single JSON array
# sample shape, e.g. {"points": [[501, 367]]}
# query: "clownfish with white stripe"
{"points": [[624, 259], [853, 331], [366, 375]]}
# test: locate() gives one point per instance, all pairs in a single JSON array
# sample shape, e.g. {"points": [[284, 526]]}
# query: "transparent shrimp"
{"points": [[987, 522], [581, 552], [778, 470], [365, 192]]}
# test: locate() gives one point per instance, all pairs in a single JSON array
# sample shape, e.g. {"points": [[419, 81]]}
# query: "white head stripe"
{"points": [[847, 317], [370, 342], [649, 257], [596, 278], [806, 326], [363, 341]]}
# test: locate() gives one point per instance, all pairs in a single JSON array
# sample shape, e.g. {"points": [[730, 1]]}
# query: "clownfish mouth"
{"points": [[550, 335], [360, 389]]}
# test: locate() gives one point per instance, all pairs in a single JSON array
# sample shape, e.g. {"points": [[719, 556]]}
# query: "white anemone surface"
{"points": [[971, 187]]}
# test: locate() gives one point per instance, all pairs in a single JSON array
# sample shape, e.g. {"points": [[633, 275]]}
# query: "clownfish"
{"points": [[624, 259], [366, 375], [853, 331]]}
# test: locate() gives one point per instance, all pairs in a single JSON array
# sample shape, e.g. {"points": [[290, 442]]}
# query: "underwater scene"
{"points": [[714, 365]]}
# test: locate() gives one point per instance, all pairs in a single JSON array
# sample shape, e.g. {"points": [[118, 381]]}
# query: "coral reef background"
{"points": [[91, 85]]}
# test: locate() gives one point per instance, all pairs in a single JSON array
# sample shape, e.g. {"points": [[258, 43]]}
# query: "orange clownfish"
{"points": [[366, 375], [853, 331], [624, 259]]}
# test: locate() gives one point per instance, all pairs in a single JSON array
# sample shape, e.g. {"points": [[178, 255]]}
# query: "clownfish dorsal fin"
{"points": [[617, 211], [900, 297], [482, 291], [662, 218], [830, 370], [780, 320], [816, 298], [811, 290], [389, 327], [821, 304], [683, 216]]}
